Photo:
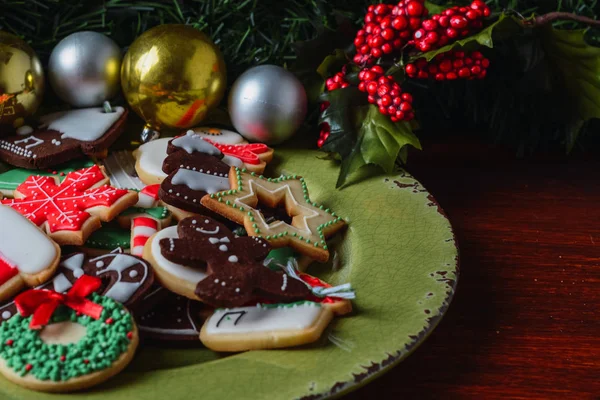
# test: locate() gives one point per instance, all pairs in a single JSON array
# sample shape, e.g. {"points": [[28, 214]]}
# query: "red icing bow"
{"points": [[43, 303]]}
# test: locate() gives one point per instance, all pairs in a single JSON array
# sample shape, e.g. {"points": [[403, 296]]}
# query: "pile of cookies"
{"points": [[183, 239]]}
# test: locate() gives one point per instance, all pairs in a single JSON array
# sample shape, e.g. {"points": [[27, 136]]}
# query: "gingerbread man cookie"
{"points": [[311, 223], [60, 349], [27, 256], [202, 259], [65, 136], [70, 211]]}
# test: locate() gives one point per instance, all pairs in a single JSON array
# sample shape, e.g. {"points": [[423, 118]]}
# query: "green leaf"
{"points": [[332, 64], [505, 26], [577, 64], [362, 135], [437, 8]]}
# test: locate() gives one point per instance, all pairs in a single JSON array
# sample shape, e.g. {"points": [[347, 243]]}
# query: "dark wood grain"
{"points": [[524, 322]]}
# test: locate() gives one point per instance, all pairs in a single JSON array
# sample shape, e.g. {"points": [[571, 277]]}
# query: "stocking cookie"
{"points": [[70, 211], [310, 225], [145, 219], [125, 278], [203, 260], [194, 169], [149, 160], [65, 136], [85, 342], [11, 179], [265, 326], [27, 256], [174, 317]]}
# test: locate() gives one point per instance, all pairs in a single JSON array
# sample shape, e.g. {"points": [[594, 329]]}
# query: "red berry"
{"points": [[429, 25], [86, 361], [320, 143], [397, 101], [449, 12], [414, 9], [451, 76], [386, 100], [371, 99], [375, 52], [444, 21], [432, 37], [440, 77], [405, 106], [422, 75], [9, 342], [63, 358], [387, 48], [380, 9], [377, 41], [28, 367], [129, 335], [400, 115], [464, 72], [383, 80], [420, 33], [395, 92], [451, 33], [377, 69], [399, 23], [485, 63], [109, 321], [446, 66], [414, 23], [391, 110], [458, 21], [477, 55], [475, 69], [482, 74], [383, 110], [372, 87], [458, 63], [472, 14], [407, 97], [424, 46]]}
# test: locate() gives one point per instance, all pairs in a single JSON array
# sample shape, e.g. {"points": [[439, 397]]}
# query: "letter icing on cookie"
{"points": [[63, 207], [311, 224]]}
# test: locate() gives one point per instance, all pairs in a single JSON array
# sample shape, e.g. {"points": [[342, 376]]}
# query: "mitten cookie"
{"points": [[27, 256], [310, 223], [76, 346], [70, 211], [173, 317], [203, 260], [66, 135], [126, 279], [265, 326]]}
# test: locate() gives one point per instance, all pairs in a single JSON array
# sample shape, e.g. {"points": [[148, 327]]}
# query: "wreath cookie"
{"points": [[66, 342]]}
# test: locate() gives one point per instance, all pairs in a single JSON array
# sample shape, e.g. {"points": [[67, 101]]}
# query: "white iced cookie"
{"points": [[149, 160], [27, 256], [217, 135]]}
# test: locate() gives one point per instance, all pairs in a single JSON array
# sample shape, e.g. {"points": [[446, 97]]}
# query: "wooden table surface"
{"points": [[525, 320]]}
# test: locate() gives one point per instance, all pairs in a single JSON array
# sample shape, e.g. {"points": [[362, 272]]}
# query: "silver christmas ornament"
{"points": [[267, 104], [84, 69]]}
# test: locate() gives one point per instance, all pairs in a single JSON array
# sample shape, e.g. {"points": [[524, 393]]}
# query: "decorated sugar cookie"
{"points": [[195, 169], [125, 278], [311, 223], [106, 239], [173, 317], [65, 136], [252, 156], [145, 219], [11, 179], [265, 326], [203, 260], [149, 160], [66, 342], [218, 135], [71, 210], [27, 256]]}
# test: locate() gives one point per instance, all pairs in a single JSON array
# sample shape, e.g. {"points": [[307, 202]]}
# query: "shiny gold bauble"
{"points": [[172, 75], [21, 80]]}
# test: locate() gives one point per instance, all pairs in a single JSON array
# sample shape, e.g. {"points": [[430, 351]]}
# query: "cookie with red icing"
{"points": [[69, 211], [203, 260], [64, 136]]}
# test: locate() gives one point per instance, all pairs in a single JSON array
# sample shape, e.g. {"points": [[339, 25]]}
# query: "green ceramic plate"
{"points": [[400, 255]]}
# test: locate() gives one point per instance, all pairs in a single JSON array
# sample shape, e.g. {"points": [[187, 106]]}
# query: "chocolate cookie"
{"points": [[194, 168], [64, 136], [235, 274]]}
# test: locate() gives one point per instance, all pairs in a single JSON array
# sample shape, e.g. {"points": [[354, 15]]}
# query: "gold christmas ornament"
{"points": [[21, 81], [172, 75]]}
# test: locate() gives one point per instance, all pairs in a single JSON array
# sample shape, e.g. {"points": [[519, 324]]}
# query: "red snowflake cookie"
{"points": [[70, 211]]}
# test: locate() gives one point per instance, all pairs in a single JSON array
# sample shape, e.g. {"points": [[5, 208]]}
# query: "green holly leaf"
{"points": [[332, 64], [503, 27], [437, 8], [577, 64], [362, 136]]}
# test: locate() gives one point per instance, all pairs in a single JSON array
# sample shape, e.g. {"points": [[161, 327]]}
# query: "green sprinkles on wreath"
{"points": [[106, 339]]}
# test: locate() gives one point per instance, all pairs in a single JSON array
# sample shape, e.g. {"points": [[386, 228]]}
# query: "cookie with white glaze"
{"points": [[64, 136], [28, 257], [203, 260], [149, 159]]}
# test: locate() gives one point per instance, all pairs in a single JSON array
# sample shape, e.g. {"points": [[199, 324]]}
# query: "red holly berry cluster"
{"points": [[449, 66], [325, 128], [452, 24], [337, 81], [387, 28], [386, 93]]}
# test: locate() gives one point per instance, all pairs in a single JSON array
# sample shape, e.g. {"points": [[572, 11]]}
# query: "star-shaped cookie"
{"points": [[310, 224]]}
